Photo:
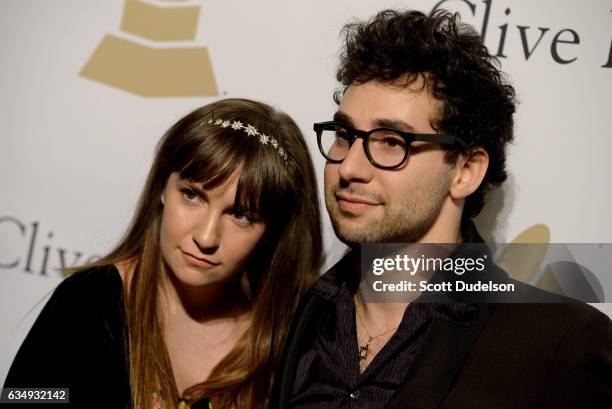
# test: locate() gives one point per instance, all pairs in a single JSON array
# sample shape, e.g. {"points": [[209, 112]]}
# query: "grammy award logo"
{"points": [[533, 259], [159, 71]]}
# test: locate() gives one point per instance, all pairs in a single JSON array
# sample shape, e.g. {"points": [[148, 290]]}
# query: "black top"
{"points": [[77, 342]]}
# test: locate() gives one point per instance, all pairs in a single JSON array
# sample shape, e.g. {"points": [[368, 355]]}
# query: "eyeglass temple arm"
{"points": [[444, 139]]}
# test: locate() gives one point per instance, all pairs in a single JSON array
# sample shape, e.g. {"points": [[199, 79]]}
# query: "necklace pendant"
{"points": [[363, 352]]}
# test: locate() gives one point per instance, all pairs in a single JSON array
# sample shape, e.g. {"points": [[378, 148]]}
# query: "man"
{"points": [[419, 137]]}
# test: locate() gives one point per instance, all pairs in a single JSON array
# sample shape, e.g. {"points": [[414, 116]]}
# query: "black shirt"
{"points": [[328, 373]]}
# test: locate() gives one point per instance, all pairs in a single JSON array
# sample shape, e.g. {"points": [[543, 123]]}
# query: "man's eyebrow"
{"points": [[343, 118], [393, 124], [398, 124]]}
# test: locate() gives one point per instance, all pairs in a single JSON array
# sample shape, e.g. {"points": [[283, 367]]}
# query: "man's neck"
{"points": [[443, 231], [383, 316], [379, 317]]}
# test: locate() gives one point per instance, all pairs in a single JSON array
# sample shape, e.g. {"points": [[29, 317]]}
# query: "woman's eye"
{"points": [[243, 217], [190, 195]]}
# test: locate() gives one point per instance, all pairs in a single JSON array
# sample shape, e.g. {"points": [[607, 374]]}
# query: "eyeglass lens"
{"points": [[386, 148]]}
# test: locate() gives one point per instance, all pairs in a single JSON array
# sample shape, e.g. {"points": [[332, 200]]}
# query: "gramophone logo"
{"points": [[159, 71], [533, 259]]}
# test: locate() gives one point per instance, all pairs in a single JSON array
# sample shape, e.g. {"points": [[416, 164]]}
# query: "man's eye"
{"points": [[387, 141], [341, 134], [393, 142], [341, 138]]}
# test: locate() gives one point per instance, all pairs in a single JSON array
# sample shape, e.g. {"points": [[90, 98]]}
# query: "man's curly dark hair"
{"points": [[477, 101]]}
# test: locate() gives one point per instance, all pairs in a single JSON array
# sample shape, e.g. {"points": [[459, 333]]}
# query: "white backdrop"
{"points": [[74, 152]]}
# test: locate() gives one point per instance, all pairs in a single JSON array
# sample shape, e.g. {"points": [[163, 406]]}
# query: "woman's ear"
{"points": [[471, 169], [163, 198]]}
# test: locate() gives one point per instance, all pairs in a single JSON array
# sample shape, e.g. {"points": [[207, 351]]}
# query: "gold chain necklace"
{"points": [[365, 349]]}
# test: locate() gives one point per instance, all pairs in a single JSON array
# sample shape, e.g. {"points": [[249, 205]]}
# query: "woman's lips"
{"points": [[198, 261]]}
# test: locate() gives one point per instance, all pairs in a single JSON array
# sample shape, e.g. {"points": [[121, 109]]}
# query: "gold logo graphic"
{"points": [[566, 277], [523, 262], [159, 71]]}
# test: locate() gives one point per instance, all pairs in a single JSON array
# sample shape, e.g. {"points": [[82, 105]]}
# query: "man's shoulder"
{"points": [[549, 321], [527, 294], [563, 311], [343, 272], [531, 304]]}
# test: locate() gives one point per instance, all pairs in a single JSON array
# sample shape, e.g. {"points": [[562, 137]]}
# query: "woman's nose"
{"points": [[207, 234]]}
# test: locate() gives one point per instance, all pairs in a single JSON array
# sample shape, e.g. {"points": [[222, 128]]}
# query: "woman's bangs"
{"points": [[211, 157], [260, 187], [211, 160]]}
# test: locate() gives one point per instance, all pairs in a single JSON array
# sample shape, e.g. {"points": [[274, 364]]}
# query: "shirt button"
{"points": [[355, 394]]}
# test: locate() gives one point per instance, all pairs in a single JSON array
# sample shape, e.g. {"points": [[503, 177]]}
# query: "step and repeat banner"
{"points": [[89, 86]]}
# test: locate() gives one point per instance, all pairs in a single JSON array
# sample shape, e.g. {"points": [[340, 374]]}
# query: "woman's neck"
{"points": [[201, 325], [212, 302]]}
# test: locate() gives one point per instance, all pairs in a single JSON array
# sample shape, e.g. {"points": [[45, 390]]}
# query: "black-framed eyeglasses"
{"points": [[385, 148]]}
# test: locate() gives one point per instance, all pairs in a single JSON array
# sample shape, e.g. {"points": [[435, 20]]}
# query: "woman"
{"points": [[197, 297]]}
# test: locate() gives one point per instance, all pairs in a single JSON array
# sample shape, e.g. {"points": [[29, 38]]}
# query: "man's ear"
{"points": [[471, 169]]}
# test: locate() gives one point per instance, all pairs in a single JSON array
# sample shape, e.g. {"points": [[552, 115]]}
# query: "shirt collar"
{"points": [[342, 274]]}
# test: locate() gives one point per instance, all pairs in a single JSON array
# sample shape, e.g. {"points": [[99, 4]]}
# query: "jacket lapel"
{"points": [[437, 366]]}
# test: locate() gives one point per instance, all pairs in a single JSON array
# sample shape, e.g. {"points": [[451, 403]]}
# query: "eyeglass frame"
{"points": [[353, 134]]}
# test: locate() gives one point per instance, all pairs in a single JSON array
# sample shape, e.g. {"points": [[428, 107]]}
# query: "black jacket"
{"points": [[516, 355]]}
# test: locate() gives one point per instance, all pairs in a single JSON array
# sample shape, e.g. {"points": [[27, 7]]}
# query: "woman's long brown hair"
{"points": [[281, 268]]}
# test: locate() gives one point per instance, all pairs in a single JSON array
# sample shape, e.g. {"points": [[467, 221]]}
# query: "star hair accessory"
{"points": [[251, 131]]}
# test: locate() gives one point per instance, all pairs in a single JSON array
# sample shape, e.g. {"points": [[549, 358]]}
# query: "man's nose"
{"points": [[356, 166]]}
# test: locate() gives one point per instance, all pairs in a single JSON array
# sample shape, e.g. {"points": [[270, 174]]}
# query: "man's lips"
{"points": [[355, 199], [354, 204], [198, 261]]}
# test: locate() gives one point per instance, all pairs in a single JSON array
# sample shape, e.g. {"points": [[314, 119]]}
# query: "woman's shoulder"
{"points": [[95, 278], [97, 286], [89, 301], [77, 340], [85, 307]]}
